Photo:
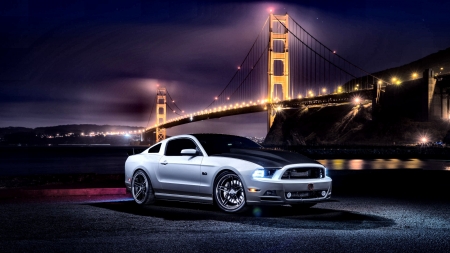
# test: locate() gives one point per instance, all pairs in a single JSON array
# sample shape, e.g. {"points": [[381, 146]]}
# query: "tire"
{"points": [[229, 192], [142, 189], [303, 206]]}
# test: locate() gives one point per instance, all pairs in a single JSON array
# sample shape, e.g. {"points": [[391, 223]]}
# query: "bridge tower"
{"points": [[276, 54], [160, 113]]}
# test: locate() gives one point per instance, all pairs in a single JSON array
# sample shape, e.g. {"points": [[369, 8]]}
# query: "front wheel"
{"points": [[142, 189], [229, 192]]}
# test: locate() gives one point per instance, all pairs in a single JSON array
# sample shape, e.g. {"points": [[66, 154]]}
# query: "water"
{"points": [[379, 164], [111, 160]]}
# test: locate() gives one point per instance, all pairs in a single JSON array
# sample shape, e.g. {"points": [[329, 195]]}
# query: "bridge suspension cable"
{"points": [[151, 111], [232, 92], [175, 104]]}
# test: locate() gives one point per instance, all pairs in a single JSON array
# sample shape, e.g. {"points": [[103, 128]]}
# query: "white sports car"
{"points": [[229, 171]]}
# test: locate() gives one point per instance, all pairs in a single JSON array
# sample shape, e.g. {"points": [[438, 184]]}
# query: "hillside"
{"points": [[347, 124], [439, 62]]}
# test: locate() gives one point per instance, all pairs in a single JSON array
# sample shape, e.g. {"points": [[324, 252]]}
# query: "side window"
{"points": [[174, 147], [155, 149]]}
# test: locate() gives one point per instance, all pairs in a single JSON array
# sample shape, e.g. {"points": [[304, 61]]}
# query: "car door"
{"points": [[180, 174]]}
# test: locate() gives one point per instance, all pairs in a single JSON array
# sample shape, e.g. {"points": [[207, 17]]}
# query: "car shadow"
{"points": [[275, 217]]}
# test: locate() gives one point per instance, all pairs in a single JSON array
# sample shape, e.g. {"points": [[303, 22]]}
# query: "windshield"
{"points": [[222, 143]]}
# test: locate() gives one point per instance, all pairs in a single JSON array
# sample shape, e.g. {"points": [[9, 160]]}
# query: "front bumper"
{"points": [[288, 191]]}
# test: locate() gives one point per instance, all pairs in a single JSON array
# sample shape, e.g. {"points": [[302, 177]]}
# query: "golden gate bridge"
{"points": [[285, 67]]}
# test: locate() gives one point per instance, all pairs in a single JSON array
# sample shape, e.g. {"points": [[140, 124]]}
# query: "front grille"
{"points": [[304, 195], [302, 173]]}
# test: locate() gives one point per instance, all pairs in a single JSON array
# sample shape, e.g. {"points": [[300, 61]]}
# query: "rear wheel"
{"points": [[229, 192], [142, 189]]}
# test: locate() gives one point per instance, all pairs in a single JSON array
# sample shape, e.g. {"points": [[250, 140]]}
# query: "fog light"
{"points": [[270, 193], [323, 193], [253, 190], [288, 195]]}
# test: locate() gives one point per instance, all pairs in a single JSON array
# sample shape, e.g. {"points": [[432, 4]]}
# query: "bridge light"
{"points": [[442, 68], [239, 67], [394, 79], [173, 101], [357, 100], [228, 98], [414, 75], [334, 52], [380, 82]]}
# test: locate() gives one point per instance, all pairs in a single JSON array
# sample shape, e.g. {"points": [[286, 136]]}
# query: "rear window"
{"points": [[155, 149]]}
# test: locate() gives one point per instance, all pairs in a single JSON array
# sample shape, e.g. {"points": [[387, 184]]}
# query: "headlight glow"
{"points": [[259, 173], [264, 172]]}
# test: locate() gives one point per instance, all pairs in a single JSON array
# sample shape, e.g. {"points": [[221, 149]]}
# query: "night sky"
{"points": [[99, 62]]}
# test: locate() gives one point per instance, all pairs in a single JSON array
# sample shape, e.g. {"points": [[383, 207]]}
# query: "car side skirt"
{"points": [[184, 197]]}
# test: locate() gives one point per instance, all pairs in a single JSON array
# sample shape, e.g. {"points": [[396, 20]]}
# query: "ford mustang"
{"points": [[229, 171]]}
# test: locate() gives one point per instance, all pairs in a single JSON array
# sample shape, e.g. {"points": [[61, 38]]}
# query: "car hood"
{"points": [[268, 158]]}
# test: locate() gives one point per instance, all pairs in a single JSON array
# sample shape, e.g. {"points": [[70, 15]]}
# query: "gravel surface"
{"points": [[115, 223]]}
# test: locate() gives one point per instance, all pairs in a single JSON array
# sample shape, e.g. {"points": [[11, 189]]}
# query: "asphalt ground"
{"points": [[371, 211], [116, 224]]}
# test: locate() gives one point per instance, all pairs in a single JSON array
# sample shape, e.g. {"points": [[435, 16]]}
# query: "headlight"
{"points": [[259, 173], [264, 173]]}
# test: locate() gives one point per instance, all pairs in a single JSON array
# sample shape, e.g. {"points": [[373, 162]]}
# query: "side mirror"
{"points": [[189, 151]]}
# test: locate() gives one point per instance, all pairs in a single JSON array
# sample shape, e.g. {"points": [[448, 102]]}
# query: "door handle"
{"points": [[164, 163]]}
